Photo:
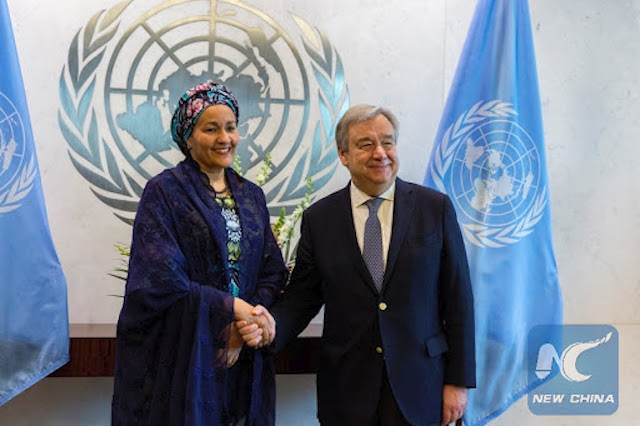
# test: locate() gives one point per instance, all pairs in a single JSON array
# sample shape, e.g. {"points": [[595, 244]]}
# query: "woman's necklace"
{"points": [[218, 179], [221, 192]]}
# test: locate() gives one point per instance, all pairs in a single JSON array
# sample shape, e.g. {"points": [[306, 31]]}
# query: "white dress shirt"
{"points": [[385, 215]]}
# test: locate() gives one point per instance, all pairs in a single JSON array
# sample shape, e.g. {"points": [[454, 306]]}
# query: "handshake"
{"points": [[255, 325]]}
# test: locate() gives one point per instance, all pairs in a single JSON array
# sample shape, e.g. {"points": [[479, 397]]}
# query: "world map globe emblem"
{"points": [[491, 168], [496, 173], [237, 46], [12, 145], [145, 63]]}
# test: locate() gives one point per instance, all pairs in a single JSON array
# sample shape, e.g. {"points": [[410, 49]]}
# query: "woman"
{"points": [[203, 255]]}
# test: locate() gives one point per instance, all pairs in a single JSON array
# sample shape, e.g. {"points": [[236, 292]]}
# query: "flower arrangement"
{"points": [[285, 226], [122, 271], [283, 229]]}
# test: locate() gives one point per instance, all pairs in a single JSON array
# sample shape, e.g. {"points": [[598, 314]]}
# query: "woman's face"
{"points": [[214, 138]]}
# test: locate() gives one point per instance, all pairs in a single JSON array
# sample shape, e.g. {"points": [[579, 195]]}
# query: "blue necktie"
{"points": [[372, 247]]}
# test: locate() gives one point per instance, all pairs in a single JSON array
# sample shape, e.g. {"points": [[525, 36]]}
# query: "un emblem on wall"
{"points": [[17, 168], [119, 89], [494, 174]]}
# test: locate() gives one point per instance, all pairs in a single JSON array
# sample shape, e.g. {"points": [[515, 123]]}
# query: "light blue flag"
{"points": [[34, 326], [489, 157]]}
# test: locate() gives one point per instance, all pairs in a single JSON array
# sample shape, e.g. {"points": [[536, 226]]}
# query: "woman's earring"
{"points": [[189, 147]]}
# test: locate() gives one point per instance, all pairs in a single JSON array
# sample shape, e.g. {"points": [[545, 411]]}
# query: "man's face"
{"points": [[371, 159]]}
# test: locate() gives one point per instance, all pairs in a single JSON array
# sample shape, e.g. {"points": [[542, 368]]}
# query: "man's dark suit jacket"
{"points": [[420, 326]]}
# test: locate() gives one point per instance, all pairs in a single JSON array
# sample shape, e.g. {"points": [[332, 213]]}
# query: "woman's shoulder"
{"points": [[162, 179], [245, 184], [165, 183]]}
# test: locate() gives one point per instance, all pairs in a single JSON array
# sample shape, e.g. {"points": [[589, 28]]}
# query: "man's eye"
{"points": [[366, 146]]}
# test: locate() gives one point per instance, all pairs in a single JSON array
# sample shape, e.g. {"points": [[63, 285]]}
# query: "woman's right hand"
{"points": [[235, 345], [259, 316], [242, 310], [260, 331]]}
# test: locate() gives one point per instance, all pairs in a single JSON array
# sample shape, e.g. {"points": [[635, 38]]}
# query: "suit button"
{"points": [[379, 349], [382, 306]]}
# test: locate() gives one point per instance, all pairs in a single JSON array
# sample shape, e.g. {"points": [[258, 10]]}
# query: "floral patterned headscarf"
{"points": [[193, 103]]}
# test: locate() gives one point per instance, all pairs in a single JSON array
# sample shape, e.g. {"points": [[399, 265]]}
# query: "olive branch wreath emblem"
{"points": [[483, 235], [21, 187], [11, 197], [117, 188], [333, 102], [85, 55]]}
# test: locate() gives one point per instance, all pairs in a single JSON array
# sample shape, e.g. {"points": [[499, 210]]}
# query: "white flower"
{"points": [[286, 231]]}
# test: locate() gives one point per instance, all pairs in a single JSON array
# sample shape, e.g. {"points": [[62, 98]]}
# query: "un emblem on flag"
{"points": [[125, 75], [493, 175], [17, 169]]}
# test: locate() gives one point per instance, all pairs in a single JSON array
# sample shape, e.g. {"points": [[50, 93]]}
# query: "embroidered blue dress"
{"points": [[234, 235], [173, 329]]}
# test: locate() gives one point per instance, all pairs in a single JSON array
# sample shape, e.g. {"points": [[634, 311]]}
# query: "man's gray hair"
{"points": [[357, 114]]}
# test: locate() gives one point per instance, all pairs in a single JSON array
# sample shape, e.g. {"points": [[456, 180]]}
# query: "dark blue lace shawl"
{"points": [[174, 324]]}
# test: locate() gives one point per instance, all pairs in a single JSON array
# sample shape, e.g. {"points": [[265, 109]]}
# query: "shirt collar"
{"points": [[359, 197]]}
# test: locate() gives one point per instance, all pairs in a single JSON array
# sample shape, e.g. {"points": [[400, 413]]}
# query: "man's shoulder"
{"points": [[329, 202], [419, 190]]}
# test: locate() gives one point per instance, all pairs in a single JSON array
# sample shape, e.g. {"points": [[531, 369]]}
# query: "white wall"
{"points": [[393, 54], [402, 53]]}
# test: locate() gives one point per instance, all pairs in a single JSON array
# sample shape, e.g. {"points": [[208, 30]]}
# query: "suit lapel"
{"points": [[348, 229], [404, 203]]}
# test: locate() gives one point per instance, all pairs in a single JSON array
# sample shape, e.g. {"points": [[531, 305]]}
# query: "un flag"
{"points": [[489, 157], [34, 326]]}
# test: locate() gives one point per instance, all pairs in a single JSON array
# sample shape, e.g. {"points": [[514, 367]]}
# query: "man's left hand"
{"points": [[454, 402]]}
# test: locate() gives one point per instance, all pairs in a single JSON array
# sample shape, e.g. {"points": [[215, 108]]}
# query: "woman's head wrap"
{"points": [[193, 103]]}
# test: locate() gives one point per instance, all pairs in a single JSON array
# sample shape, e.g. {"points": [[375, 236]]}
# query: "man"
{"points": [[398, 338]]}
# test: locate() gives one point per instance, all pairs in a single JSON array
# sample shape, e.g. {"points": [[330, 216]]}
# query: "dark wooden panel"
{"points": [[95, 357], [89, 357], [300, 357]]}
